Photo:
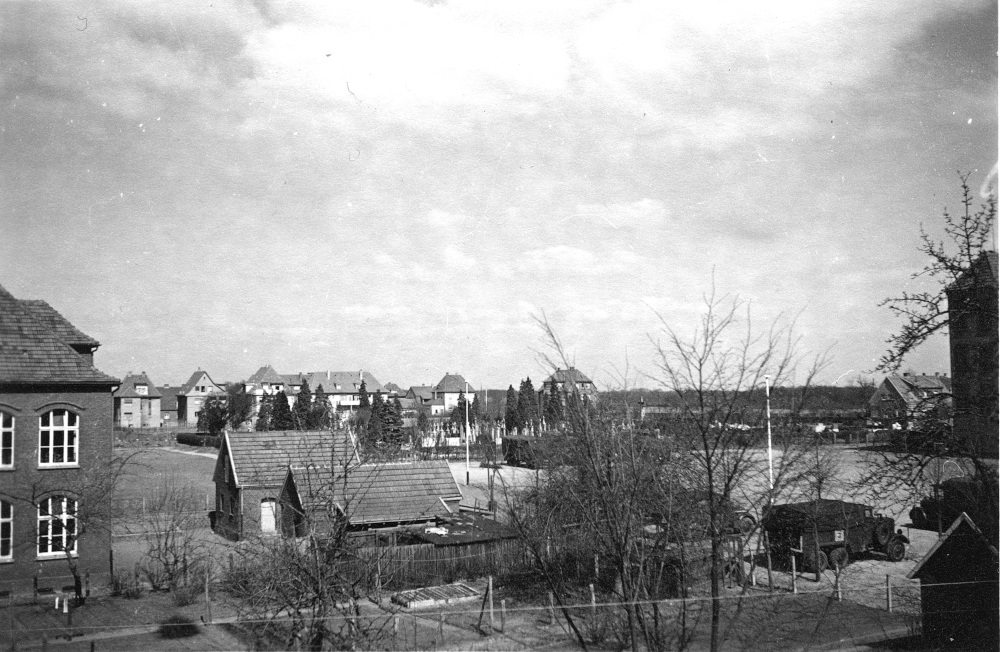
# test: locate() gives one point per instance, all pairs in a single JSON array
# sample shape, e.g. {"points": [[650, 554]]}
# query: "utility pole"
{"points": [[770, 454], [466, 434]]}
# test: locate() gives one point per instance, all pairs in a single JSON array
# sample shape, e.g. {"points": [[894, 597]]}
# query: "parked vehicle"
{"points": [[956, 495], [838, 529]]}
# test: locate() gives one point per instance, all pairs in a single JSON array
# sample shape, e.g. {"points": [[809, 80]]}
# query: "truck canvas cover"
{"points": [[826, 514]]}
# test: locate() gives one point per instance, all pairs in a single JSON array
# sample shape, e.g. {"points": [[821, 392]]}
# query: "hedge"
{"points": [[198, 439]]}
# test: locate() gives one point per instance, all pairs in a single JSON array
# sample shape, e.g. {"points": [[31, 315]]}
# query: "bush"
{"points": [[127, 585], [198, 439]]}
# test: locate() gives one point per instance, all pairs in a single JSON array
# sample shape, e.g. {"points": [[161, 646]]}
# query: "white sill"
{"points": [[70, 465], [50, 556], [6, 560]]}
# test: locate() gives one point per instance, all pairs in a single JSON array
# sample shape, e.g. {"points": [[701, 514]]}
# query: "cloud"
{"points": [[562, 259]]}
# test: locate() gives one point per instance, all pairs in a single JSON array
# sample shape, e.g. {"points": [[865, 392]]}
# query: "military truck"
{"points": [[838, 529]]}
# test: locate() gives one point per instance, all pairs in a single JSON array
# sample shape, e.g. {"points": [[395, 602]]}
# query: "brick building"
{"points": [[55, 443]]}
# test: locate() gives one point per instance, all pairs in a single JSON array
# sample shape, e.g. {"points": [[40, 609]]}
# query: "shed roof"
{"points": [[377, 493], [261, 459], [956, 541], [127, 389], [31, 352]]}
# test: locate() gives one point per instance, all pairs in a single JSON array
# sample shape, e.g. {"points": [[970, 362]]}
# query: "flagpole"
{"points": [[770, 454], [466, 434]]}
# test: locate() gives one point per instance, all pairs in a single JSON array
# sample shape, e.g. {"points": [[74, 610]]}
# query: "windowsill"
{"points": [[7, 468], [71, 465], [6, 560], [53, 556]]}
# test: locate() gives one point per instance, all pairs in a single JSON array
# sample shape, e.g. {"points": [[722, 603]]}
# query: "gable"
{"points": [[963, 552], [261, 459]]}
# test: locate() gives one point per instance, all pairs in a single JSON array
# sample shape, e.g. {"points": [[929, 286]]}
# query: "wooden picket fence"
{"points": [[399, 567]]}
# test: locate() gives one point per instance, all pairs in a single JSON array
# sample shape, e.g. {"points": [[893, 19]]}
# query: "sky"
{"points": [[406, 187]]}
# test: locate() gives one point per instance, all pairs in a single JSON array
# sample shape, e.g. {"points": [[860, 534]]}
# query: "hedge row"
{"points": [[198, 439]]}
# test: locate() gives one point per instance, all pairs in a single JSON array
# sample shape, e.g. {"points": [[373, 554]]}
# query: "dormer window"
{"points": [[142, 390]]}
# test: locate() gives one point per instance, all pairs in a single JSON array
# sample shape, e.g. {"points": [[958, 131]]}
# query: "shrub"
{"points": [[127, 585]]}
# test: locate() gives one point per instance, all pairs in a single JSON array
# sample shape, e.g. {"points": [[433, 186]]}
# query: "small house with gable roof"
{"points": [[343, 388], [906, 398], [959, 589], [250, 469], [137, 403]]}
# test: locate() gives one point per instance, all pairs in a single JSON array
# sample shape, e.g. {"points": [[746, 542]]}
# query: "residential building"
{"points": [[906, 399], [137, 403], [973, 337], [959, 590], [343, 388], [193, 394], [56, 439], [264, 382], [250, 470], [366, 496], [450, 388], [168, 405], [567, 380]]}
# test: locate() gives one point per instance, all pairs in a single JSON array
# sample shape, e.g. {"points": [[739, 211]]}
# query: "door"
{"points": [[267, 521]]}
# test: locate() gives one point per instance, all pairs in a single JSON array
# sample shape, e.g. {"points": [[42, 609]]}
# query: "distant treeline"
{"points": [[813, 400]]}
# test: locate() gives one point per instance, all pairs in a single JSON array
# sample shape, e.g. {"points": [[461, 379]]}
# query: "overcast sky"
{"points": [[401, 186]]}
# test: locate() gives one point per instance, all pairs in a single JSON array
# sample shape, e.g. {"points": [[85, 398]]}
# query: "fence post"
{"points": [[111, 561], [492, 628], [795, 585], [395, 631], [767, 552], [888, 594], [415, 646], [836, 583], [441, 627], [593, 602], [208, 601], [503, 615], [597, 567], [552, 608]]}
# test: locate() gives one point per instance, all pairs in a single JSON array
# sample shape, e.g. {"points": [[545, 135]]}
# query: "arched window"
{"points": [[56, 525], [6, 440], [6, 531], [58, 433]]}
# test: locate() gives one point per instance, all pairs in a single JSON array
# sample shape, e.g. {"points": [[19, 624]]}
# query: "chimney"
{"points": [[327, 375]]}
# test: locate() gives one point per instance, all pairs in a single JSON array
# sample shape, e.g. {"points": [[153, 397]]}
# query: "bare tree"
{"points": [[712, 374], [171, 528]]}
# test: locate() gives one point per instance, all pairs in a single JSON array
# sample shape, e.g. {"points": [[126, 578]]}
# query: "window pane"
{"points": [[8, 420], [6, 456], [43, 507], [45, 419], [5, 510], [71, 507], [57, 455], [71, 420], [57, 438], [59, 418]]}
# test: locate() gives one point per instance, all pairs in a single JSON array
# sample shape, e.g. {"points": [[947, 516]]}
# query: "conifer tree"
{"points": [[376, 424], [527, 404], [393, 422], [264, 414], [281, 414], [553, 407], [458, 412], [303, 406], [475, 410], [510, 417], [319, 415], [364, 402]]}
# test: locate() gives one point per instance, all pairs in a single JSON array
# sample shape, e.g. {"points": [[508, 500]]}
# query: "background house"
{"points": [[343, 388], [973, 338], [193, 394], [168, 405], [565, 380], [137, 403], [55, 440], [450, 388], [906, 398]]}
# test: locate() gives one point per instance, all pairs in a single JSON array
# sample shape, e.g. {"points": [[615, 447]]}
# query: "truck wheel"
{"points": [[896, 550], [839, 558], [747, 524], [809, 561], [883, 532]]}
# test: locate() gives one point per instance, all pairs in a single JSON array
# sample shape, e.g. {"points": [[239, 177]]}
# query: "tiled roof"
{"points": [[265, 374], [168, 398], [452, 383], [379, 493], [571, 375], [291, 379], [422, 392], [30, 352], [263, 458], [348, 382], [127, 389], [909, 387], [58, 324], [393, 387], [193, 381], [983, 271]]}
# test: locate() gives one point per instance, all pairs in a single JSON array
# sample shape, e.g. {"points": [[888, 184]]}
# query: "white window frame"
{"points": [[6, 440], [57, 525], [70, 432], [6, 531]]}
